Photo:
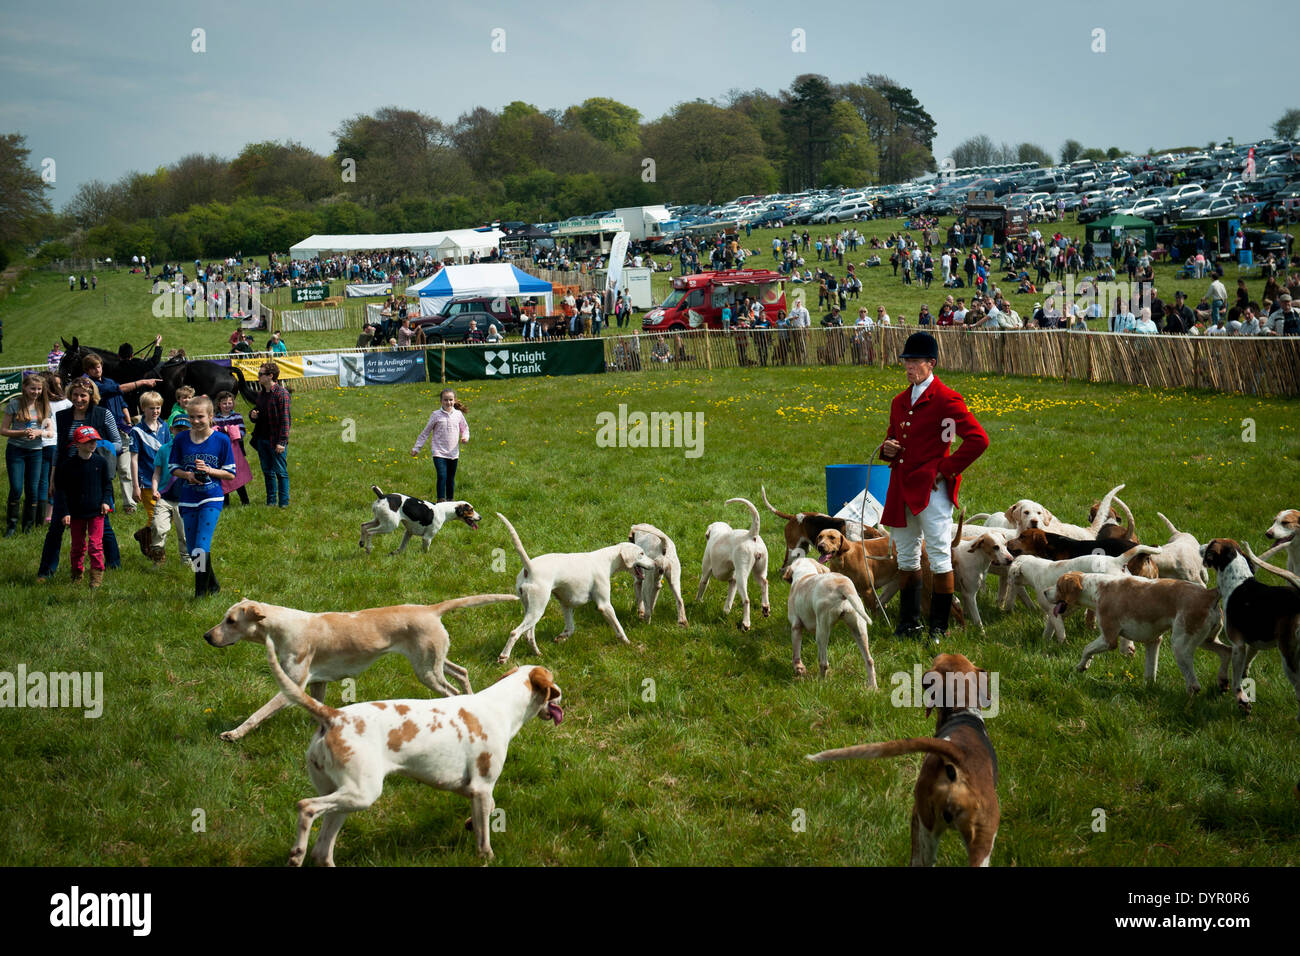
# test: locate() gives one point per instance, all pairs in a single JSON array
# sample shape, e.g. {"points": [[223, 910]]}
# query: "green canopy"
{"points": [[1102, 231]]}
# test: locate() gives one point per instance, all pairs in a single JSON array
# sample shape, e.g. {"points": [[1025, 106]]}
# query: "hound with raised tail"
{"points": [[1180, 557], [1143, 610], [958, 782], [318, 648], [1256, 615], [734, 555], [660, 549], [416, 516], [802, 529], [819, 599], [458, 745], [1285, 530], [574, 579]]}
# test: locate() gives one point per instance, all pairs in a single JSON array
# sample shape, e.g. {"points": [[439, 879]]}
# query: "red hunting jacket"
{"points": [[920, 429]]}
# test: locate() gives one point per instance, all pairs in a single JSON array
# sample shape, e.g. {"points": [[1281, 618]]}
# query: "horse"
{"points": [[206, 378]]}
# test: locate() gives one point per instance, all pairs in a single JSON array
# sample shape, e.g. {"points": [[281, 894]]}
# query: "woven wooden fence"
{"points": [[1252, 365]]}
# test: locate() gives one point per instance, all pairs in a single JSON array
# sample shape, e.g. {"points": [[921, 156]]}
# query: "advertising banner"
{"points": [[363, 289], [309, 293], [390, 368], [574, 357], [290, 367]]}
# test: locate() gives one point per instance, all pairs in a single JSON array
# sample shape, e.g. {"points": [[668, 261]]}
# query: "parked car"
{"points": [[1264, 241], [451, 324], [1209, 207]]}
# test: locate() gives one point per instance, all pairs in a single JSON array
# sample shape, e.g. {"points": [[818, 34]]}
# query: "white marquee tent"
{"points": [[454, 244], [493, 278]]}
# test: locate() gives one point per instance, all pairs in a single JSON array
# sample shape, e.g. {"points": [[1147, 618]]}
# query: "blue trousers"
{"points": [[47, 468], [24, 467], [446, 469], [275, 471], [54, 541], [200, 525]]}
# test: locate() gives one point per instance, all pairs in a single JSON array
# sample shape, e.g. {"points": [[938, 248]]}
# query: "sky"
{"points": [[104, 89]]}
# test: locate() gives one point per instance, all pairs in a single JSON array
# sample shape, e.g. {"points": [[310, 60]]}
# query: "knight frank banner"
{"points": [[573, 357]]}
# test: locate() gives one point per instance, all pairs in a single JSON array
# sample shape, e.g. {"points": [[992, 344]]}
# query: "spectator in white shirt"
{"points": [[882, 317], [1144, 323]]}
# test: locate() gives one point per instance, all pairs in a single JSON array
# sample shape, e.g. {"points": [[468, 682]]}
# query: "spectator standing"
{"points": [[1218, 296], [27, 422], [58, 402], [271, 423]]}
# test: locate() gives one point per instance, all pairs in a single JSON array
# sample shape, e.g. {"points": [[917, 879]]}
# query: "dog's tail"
{"points": [[779, 514], [980, 517], [1103, 510], [753, 528], [1137, 549], [652, 531], [1287, 576], [473, 600], [1168, 524], [1131, 531], [519, 545], [893, 748], [855, 601], [378, 493], [324, 715]]}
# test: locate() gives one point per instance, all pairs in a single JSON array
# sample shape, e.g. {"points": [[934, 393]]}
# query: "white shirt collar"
{"points": [[919, 390]]}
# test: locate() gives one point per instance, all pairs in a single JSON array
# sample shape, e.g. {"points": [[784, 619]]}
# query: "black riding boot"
{"points": [[213, 586], [201, 583], [11, 519], [29, 517], [909, 606], [940, 606]]}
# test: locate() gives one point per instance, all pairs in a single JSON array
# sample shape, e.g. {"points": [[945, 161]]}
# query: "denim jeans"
{"points": [[43, 491], [24, 467], [275, 470], [446, 469]]}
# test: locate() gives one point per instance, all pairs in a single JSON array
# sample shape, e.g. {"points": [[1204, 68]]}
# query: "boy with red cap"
{"points": [[923, 421]]}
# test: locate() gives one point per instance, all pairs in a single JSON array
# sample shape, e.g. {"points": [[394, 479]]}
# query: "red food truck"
{"points": [[696, 301]]}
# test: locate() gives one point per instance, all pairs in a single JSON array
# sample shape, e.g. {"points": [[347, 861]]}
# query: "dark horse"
{"points": [[206, 378]]}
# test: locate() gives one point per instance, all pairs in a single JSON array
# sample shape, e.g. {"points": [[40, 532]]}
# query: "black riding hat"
{"points": [[921, 345]]}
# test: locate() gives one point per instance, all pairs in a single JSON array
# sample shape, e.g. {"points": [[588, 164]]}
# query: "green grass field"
{"points": [[705, 764]]}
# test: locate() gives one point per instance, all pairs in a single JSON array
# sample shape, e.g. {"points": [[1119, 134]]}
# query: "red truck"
{"points": [[696, 301]]}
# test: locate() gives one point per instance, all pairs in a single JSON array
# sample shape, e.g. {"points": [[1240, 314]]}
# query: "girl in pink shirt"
{"points": [[447, 431]]}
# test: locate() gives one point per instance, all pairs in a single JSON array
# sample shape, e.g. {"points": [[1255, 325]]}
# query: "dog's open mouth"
{"points": [[824, 558], [553, 713], [1059, 608], [640, 575]]}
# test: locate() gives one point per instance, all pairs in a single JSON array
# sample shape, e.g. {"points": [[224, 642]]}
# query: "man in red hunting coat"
{"points": [[924, 420]]}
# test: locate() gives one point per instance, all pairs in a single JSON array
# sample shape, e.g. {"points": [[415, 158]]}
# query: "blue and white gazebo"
{"points": [[483, 279]]}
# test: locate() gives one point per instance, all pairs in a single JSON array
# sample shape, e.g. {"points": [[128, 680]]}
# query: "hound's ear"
{"points": [[540, 680], [787, 572], [1010, 514], [253, 611], [1048, 516]]}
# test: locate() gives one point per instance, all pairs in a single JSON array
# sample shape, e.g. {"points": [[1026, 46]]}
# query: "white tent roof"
{"points": [[466, 240], [477, 280]]}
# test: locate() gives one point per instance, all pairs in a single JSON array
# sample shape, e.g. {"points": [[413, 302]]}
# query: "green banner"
{"points": [[309, 293], [519, 359], [11, 383]]}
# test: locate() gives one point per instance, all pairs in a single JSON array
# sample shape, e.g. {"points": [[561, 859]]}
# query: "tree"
{"points": [[1033, 153], [1287, 125], [609, 121], [278, 170], [22, 193], [976, 151], [1094, 154], [401, 152], [806, 112], [704, 153], [851, 158], [1115, 152], [906, 150], [764, 111], [1070, 150]]}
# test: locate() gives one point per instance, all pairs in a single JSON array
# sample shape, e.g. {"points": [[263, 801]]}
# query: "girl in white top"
{"points": [[54, 392], [27, 422]]}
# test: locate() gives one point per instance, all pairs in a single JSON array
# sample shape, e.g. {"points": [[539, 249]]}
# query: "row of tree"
{"points": [[982, 151], [404, 170]]}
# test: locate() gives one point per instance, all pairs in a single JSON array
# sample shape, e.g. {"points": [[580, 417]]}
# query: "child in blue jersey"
{"points": [[202, 460]]}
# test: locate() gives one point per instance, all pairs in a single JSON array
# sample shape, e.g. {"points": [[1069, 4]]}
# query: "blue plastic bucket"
{"points": [[845, 482], [988, 242]]}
